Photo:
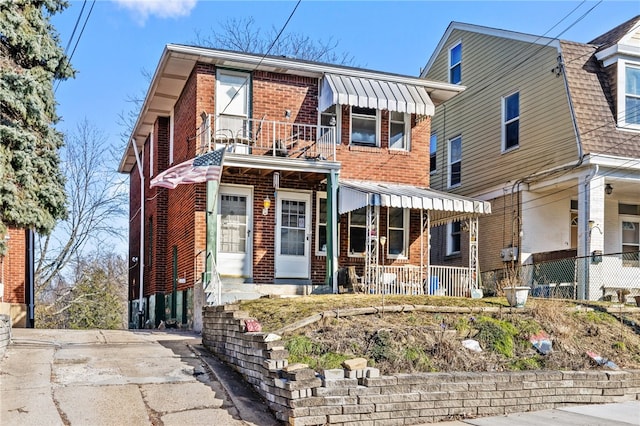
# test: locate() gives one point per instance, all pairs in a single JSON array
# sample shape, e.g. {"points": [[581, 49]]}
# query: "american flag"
{"points": [[203, 168]]}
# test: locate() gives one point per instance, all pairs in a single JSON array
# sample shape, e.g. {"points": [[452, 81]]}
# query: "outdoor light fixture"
{"points": [[608, 189], [276, 180], [266, 203]]}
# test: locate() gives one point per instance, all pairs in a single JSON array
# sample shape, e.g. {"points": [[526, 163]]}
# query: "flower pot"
{"points": [[516, 296]]}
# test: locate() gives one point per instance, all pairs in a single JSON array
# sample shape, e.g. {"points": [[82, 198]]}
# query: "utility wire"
{"points": [[78, 39]]}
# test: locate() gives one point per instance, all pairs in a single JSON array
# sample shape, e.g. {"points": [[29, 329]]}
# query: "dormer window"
{"points": [[631, 111]]}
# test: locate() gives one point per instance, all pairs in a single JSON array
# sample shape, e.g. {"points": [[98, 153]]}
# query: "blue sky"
{"points": [[123, 37]]}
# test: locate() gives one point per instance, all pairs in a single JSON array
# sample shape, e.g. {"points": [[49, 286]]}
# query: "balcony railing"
{"points": [[254, 136], [411, 279]]}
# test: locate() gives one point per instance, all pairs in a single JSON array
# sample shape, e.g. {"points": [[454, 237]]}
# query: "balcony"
{"points": [[251, 136]]}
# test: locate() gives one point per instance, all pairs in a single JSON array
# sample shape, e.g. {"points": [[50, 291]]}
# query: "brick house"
{"points": [[321, 160], [547, 130], [16, 277]]}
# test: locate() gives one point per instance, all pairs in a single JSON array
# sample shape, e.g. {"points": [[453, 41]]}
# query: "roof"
{"points": [[593, 101], [444, 207], [615, 35], [177, 62]]}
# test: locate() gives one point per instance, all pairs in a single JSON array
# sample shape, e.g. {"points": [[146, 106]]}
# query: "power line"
{"points": [[68, 60]]}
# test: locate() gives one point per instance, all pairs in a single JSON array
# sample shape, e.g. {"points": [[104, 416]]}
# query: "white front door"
{"points": [[293, 231], [234, 231]]}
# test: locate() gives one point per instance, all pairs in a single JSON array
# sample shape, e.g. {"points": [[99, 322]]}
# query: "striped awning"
{"points": [[354, 194], [376, 94]]}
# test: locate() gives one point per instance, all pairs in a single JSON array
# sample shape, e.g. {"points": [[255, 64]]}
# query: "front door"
{"points": [[234, 231], [293, 230]]}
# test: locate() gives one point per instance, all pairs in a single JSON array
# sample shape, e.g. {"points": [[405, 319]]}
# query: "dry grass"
{"points": [[431, 341]]}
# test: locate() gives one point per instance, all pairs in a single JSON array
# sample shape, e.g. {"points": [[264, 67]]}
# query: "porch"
{"points": [[416, 280], [262, 137], [416, 276]]}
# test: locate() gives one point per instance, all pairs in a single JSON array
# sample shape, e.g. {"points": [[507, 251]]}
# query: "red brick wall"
{"points": [[14, 264], [179, 217]]}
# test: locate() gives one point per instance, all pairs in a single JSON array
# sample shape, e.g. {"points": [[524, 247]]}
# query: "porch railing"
{"points": [[258, 136], [416, 280]]}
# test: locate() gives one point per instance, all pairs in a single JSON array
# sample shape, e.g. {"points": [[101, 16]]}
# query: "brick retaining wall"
{"points": [[5, 333], [300, 396]]}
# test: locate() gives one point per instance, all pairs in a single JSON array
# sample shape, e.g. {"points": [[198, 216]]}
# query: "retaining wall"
{"points": [[360, 396], [5, 333]]}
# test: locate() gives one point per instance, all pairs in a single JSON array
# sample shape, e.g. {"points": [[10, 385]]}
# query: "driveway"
{"points": [[118, 377]]}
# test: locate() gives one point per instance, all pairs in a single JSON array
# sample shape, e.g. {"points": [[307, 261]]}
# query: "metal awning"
{"points": [[445, 207], [377, 94]]}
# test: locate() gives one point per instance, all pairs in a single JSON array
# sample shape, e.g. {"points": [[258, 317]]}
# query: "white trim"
{"points": [[406, 121], [171, 132], [435, 170], [622, 94], [319, 195], [377, 118], [364, 226], [449, 185], [225, 259], [627, 218], [405, 235], [151, 147], [293, 260], [504, 122], [449, 66]]}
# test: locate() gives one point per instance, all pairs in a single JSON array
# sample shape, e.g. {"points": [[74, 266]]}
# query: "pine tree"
{"points": [[31, 59]]}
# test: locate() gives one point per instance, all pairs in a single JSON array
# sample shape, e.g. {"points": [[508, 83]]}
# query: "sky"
{"points": [[122, 39]]}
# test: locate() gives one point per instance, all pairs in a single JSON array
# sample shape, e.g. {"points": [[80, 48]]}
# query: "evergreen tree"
{"points": [[31, 59]]}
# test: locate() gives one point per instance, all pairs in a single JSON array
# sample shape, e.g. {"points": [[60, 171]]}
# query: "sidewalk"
{"points": [[115, 377], [619, 414]]}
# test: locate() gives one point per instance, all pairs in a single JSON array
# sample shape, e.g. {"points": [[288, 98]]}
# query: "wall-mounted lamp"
{"points": [[332, 121], [266, 203], [383, 241], [134, 259], [608, 189], [276, 180], [287, 113]]}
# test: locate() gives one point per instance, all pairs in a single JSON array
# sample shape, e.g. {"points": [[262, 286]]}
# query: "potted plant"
{"points": [[513, 290]]}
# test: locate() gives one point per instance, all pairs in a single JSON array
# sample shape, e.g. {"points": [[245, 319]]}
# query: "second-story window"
{"points": [[433, 150], [364, 126], [455, 161], [511, 121], [632, 96], [455, 64], [399, 130]]}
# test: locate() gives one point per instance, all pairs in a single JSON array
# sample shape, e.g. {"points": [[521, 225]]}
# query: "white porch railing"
{"points": [[414, 280], [254, 136]]}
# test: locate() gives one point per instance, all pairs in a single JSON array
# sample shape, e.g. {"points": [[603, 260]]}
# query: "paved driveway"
{"points": [[113, 377]]}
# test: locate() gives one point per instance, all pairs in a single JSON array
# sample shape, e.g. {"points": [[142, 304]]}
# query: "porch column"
{"points": [[590, 235], [473, 251], [332, 231]]}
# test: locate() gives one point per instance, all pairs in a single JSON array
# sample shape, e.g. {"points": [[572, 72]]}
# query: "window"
{"points": [[455, 64], [232, 102], [330, 118], [630, 241], [455, 161], [510, 121], [399, 130], [364, 126], [397, 232], [433, 149], [632, 95], [321, 224], [453, 238], [357, 231]]}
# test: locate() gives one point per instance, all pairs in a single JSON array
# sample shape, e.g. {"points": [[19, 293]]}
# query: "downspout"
{"points": [[30, 285], [141, 259], [333, 237]]}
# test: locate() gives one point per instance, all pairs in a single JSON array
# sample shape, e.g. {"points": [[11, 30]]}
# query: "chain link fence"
{"points": [[613, 277]]}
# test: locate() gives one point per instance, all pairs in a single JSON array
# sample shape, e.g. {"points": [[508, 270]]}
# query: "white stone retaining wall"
{"points": [[5, 333], [300, 396]]}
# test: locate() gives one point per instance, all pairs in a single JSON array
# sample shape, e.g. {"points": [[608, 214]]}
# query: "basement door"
{"points": [[293, 230], [234, 231]]}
